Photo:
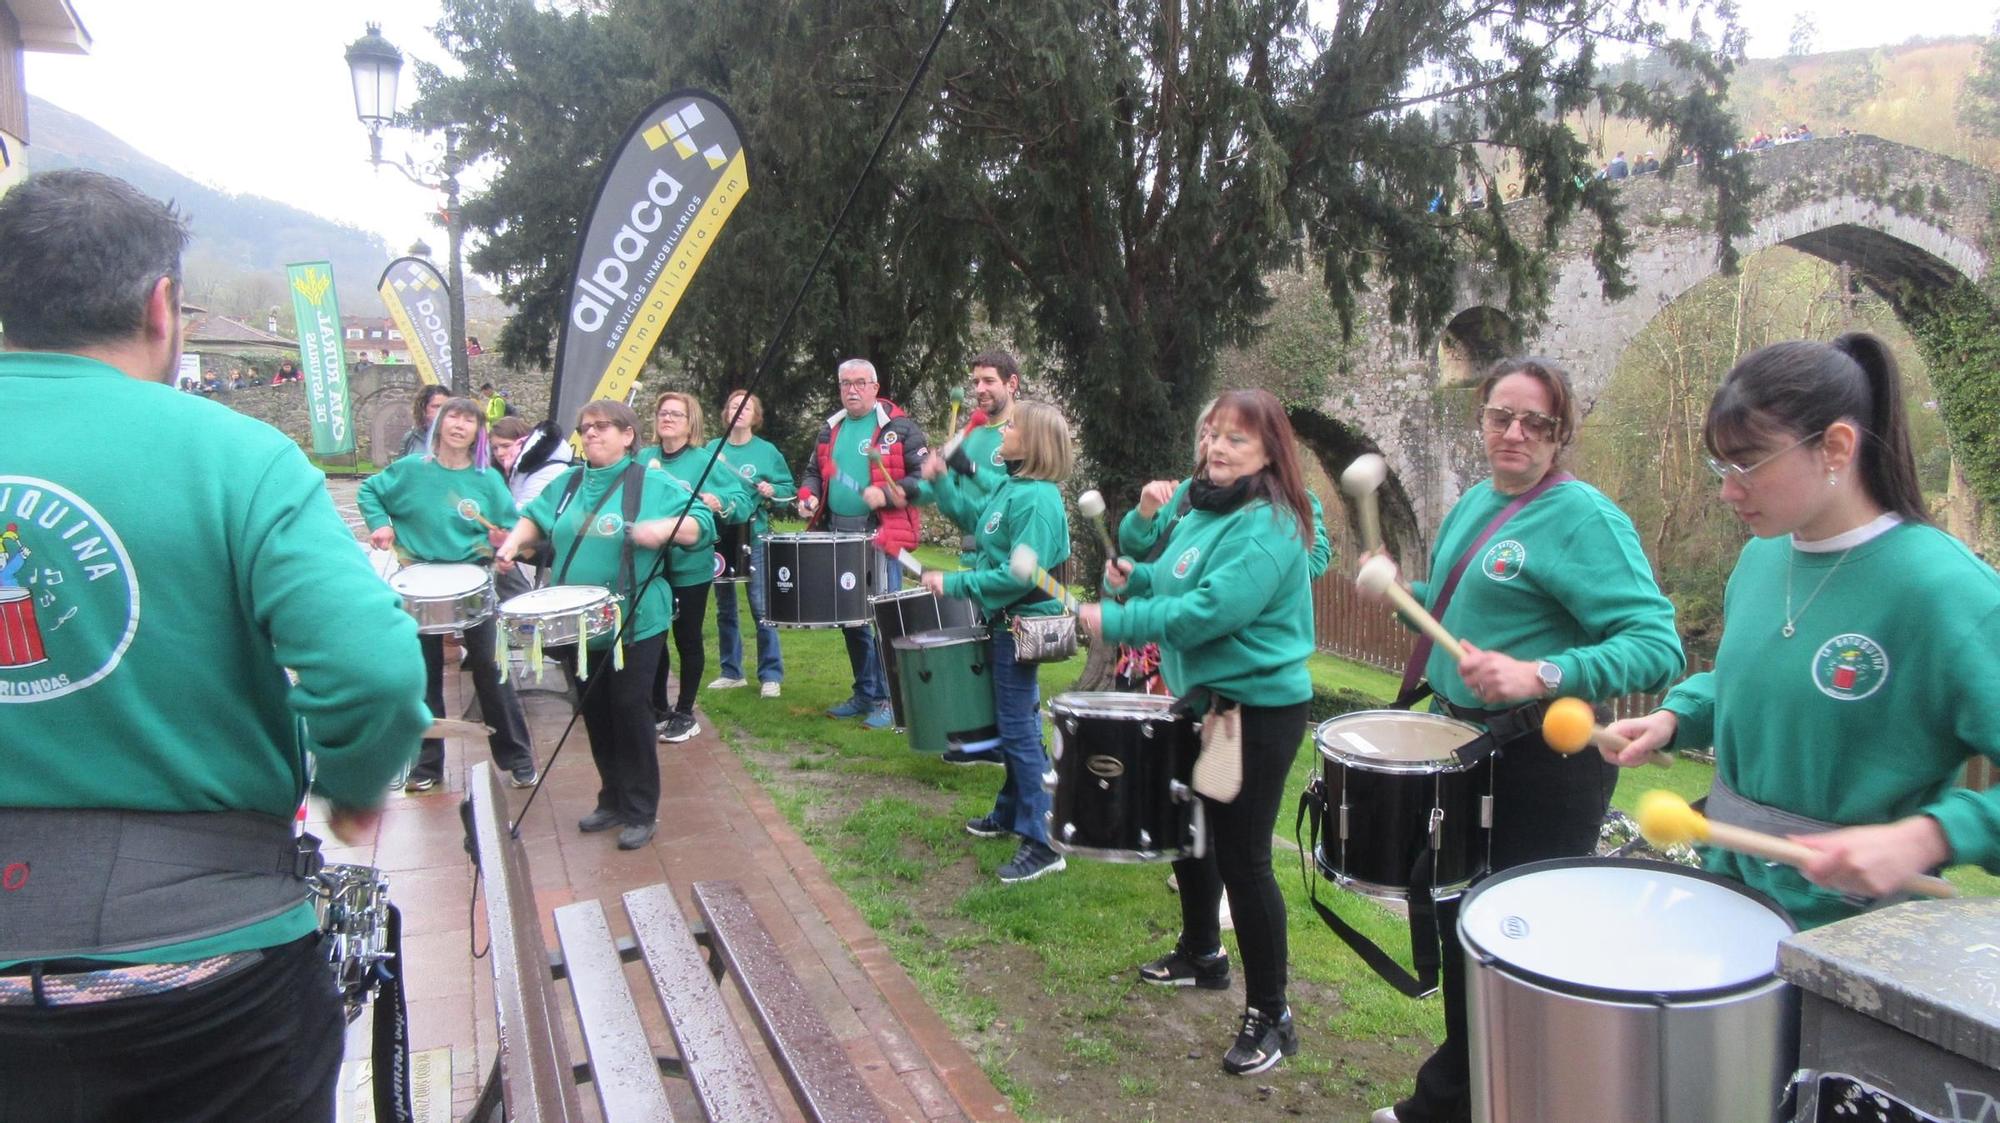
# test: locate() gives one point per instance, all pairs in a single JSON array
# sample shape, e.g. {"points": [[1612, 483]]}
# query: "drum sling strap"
{"points": [[1502, 726], [631, 486]]}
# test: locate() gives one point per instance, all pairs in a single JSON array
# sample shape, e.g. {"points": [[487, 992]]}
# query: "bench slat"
{"points": [[534, 1058], [717, 1062], [622, 1069], [821, 1076]]}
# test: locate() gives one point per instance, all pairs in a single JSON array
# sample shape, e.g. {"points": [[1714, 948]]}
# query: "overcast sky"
{"points": [[253, 96]]}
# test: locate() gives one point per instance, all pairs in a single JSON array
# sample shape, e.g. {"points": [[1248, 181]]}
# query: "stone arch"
{"points": [[1472, 341], [1337, 444]]}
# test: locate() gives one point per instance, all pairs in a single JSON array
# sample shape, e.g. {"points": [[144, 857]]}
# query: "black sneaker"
{"points": [[524, 776], [986, 826], [1261, 1043], [1179, 969], [1031, 861], [635, 835], [678, 727], [420, 783], [984, 756], [599, 820]]}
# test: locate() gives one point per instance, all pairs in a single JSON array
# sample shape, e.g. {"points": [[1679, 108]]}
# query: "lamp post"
{"points": [[375, 66]]}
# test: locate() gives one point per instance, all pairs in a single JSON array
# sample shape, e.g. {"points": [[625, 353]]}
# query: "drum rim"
{"points": [[606, 595], [910, 593], [818, 536], [1145, 712], [484, 581], [1377, 891], [964, 633], [1649, 997], [1408, 767]]}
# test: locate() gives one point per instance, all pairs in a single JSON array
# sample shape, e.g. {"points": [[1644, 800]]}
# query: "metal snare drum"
{"points": [[1395, 798], [822, 580], [1606, 988], [907, 612], [1121, 781], [560, 615], [946, 675], [444, 598]]}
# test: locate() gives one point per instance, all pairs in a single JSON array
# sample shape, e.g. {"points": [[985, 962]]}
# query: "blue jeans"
{"points": [[729, 639], [1023, 803], [871, 683]]}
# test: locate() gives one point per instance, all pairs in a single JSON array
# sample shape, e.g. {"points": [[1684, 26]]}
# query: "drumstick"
{"points": [[1569, 725], [452, 727], [957, 400], [1092, 505], [1027, 567], [977, 419], [910, 562], [1360, 481], [1666, 818], [875, 458], [1378, 575]]}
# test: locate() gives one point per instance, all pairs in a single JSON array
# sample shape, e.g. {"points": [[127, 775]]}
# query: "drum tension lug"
{"points": [[1437, 824], [1486, 812]]}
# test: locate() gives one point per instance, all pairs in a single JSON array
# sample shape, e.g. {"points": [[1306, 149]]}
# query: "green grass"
{"points": [[1080, 933]]}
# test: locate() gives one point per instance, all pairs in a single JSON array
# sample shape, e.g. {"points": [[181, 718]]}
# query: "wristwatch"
{"points": [[1551, 676]]}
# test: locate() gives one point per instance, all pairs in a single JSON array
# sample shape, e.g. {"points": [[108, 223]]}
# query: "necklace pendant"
{"points": [[1787, 631]]}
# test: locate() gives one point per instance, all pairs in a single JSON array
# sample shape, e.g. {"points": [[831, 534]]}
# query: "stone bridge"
{"points": [[1901, 218]]}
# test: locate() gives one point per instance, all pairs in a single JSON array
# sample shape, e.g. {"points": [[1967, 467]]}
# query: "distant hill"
{"points": [[236, 237]]}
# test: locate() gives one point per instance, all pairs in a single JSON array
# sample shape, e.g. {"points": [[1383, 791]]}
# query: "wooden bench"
{"points": [[533, 1076]]}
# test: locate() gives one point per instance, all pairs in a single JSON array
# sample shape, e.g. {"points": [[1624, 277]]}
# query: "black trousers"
{"points": [[690, 612], [1238, 861], [499, 706], [262, 1044], [1545, 805], [619, 719]]}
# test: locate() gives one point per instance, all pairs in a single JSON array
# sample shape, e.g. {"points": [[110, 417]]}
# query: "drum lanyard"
{"points": [[631, 483]]}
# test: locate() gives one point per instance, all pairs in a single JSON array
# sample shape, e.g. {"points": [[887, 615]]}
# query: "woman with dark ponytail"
{"points": [[1859, 642]]}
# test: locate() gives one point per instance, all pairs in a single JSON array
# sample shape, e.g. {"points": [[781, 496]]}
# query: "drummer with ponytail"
{"points": [[1859, 643]]}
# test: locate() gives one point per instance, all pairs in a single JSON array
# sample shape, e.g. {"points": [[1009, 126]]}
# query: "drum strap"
{"points": [[1414, 688], [1725, 806], [392, 1031], [1425, 948], [631, 486]]}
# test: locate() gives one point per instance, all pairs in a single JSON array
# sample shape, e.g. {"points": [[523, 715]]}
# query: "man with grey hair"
{"points": [[159, 953], [843, 489]]}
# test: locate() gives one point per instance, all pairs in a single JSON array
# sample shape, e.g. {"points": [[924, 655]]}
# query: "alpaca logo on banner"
{"points": [[69, 598]]}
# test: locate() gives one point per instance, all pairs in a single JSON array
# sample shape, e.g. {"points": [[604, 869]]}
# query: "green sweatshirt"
{"points": [[1867, 713], [688, 566], [1229, 604], [1018, 512], [989, 473], [435, 510], [758, 461], [1137, 533], [851, 438], [1563, 581], [168, 603], [598, 552], [685, 467]]}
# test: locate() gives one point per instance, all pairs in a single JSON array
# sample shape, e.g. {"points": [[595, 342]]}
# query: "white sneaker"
{"points": [[726, 683], [770, 690], [1383, 1115]]}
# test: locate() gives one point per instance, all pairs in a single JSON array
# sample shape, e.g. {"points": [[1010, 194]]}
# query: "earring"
{"points": [[1832, 480]]}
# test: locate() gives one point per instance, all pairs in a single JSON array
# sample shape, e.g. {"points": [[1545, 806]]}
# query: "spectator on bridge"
{"points": [[1618, 169], [1649, 163]]}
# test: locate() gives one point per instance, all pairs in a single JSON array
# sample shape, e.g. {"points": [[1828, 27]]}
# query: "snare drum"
{"points": [[1603, 988], [907, 612], [822, 580], [1123, 769], [444, 598], [1399, 812], [353, 907], [560, 615], [950, 690], [732, 553]]}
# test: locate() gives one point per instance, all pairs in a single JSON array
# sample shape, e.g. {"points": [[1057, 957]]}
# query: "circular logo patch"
{"points": [[69, 599], [888, 439], [1850, 667], [997, 462], [468, 510], [721, 566], [748, 471], [993, 522], [1186, 559], [847, 581], [785, 573], [1503, 561], [866, 444], [608, 525]]}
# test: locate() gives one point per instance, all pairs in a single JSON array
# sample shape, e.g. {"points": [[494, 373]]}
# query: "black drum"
{"points": [[1399, 812], [907, 612], [822, 580], [1123, 774], [732, 553]]}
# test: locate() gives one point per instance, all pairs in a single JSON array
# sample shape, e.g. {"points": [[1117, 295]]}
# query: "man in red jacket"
{"points": [[843, 490]]}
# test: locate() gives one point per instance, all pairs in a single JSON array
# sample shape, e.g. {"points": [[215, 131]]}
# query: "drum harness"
{"points": [[1502, 727], [630, 487]]}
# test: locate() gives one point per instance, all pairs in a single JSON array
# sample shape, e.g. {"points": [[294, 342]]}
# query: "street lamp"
{"points": [[375, 66]]}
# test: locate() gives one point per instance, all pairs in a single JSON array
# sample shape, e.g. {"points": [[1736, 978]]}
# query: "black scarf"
{"points": [[1205, 496]]}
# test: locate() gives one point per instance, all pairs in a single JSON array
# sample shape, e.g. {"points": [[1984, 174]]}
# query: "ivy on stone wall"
{"points": [[1958, 332]]}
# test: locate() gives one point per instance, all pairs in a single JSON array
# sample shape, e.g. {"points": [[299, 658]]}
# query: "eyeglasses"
{"points": [[1725, 471], [674, 414], [588, 427], [855, 383], [1498, 419]]}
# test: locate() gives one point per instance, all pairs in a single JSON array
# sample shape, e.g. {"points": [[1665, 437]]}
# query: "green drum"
{"points": [[947, 689]]}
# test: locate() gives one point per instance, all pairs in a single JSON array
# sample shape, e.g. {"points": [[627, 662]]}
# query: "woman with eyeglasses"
{"points": [[600, 535], [1858, 644], [1556, 600], [679, 454]]}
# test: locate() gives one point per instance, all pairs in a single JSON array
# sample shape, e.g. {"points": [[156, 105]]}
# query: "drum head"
{"points": [[1111, 704], [434, 579], [942, 637], [555, 599], [1394, 740], [1620, 928]]}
